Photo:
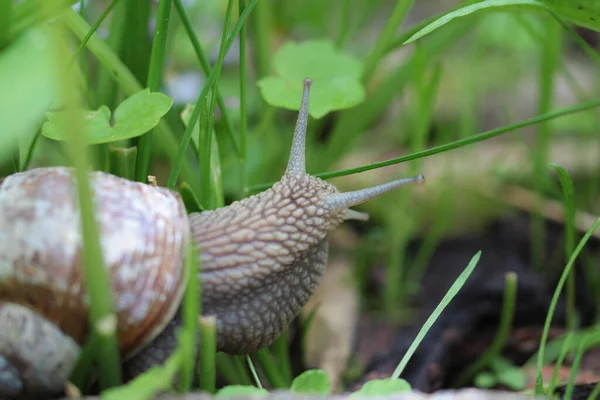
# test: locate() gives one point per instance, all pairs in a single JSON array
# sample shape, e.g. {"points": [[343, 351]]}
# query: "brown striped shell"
{"points": [[143, 229]]}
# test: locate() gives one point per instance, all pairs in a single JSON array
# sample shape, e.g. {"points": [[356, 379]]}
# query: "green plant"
{"points": [[107, 112]]}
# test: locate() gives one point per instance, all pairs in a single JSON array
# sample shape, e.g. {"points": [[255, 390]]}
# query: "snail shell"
{"points": [[261, 260], [143, 231]]}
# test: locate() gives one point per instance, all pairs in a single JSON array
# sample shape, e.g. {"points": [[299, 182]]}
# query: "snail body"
{"points": [[261, 259]]}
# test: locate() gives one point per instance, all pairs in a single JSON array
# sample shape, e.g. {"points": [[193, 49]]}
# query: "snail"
{"points": [[261, 259]]}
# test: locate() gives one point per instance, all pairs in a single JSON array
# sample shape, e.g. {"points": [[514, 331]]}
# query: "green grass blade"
{"points": [[229, 371], [385, 37], [404, 36], [352, 123], [208, 354], [559, 362], [243, 153], [6, 8], [148, 385], [549, 60], [456, 144], [191, 308], [185, 20], [103, 319], [85, 364], [130, 85], [263, 26], [177, 164], [569, 203], [157, 59], [93, 30], [539, 384], [207, 133], [574, 370], [271, 370], [456, 286], [595, 393], [254, 374], [489, 5], [122, 162], [280, 346], [345, 16], [504, 329], [30, 151]]}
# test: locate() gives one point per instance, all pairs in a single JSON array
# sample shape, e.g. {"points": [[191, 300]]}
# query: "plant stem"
{"points": [[270, 369], [185, 20], [454, 145], [559, 362], [154, 80], [550, 58], [6, 7], [393, 22], [504, 329], [93, 30], [281, 349], [103, 319], [351, 123], [196, 111], [30, 150], [539, 384], [206, 149], [253, 370], [345, 16], [595, 393], [569, 203], [130, 85], [456, 286], [208, 353], [261, 30], [243, 108], [106, 87], [574, 370], [191, 308]]}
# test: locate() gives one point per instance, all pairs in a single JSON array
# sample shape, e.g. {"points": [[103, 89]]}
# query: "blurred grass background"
{"points": [[476, 74]]}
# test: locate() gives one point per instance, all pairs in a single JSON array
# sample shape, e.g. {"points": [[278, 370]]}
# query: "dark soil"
{"points": [[469, 324]]}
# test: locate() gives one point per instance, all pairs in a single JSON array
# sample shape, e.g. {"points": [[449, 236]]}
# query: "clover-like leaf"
{"points": [[140, 113], [133, 117], [335, 75], [382, 387], [96, 123], [311, 381]]}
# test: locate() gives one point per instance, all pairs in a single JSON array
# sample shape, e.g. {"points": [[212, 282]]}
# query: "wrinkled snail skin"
{"points": [[261, 258]]}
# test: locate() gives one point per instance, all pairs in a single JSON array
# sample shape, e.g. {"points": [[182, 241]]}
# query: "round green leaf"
{"points": [[514, 378], [485, 380], [312, 381], [96, 123], [382, 387], [241, 390], [133, 117], [335, 75], [139, 113]]}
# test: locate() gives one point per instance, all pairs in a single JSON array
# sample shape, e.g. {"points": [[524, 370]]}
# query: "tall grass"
{"points": [[129, 56]]}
